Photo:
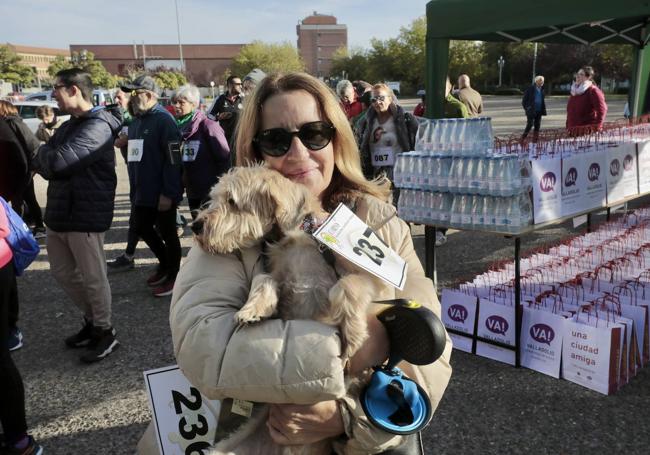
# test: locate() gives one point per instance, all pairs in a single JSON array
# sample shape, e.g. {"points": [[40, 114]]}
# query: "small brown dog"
{"points": [[247, 204]]}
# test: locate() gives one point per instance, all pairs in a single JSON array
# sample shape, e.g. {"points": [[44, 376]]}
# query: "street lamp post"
{"points": [[500, 62], [212, 88], [534, 62], [178, 29]]}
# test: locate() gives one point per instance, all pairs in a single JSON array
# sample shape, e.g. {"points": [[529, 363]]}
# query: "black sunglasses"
{"points": [[277, 141]]}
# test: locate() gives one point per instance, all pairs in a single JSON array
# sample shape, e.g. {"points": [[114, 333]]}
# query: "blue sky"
{"points": [[60, 23]]}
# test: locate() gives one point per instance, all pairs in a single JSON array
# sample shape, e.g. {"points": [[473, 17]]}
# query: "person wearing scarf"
{"points": [[586, 106], [205, 151], [49, 123]]}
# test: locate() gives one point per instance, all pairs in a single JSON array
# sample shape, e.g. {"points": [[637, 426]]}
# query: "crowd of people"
{"points": [[341, 145]]}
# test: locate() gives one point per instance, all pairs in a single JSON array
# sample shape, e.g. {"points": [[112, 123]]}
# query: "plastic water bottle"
{"points": [[466, 202], [489, 212], [477, 212], [445, 209]]}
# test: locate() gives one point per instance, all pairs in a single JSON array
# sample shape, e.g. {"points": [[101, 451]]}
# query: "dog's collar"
{"points": [[310, 224]]}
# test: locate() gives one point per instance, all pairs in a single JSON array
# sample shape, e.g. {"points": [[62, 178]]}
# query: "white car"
{"points": [[101, 97], [27, 111]]}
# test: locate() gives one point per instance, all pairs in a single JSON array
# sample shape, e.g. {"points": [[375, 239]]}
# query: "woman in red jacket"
{"points": [[586, 106]]}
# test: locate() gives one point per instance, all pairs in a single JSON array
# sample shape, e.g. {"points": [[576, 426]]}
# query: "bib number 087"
{"points": [[364, 247], [193, 403]]}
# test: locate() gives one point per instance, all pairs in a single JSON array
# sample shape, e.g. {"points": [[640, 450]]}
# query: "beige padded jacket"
{"points": [[279, 361]]}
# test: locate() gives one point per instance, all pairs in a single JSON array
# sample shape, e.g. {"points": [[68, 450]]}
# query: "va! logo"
{"points": [[497, 324], [542, 333], [571, 177], [627, 162], [457, 313], [547, 183], [594, 172], [614, 167]]}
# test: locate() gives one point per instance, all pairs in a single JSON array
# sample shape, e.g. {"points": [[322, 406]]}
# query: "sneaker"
{"points": [[15, 340], [32, 449], [120, 264], [103, 343], [441, 238], [81, 338], [157, 278], [166, 288]]}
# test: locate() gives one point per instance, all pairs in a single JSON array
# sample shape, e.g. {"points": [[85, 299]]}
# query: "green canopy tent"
{"points": [[541, 21]]}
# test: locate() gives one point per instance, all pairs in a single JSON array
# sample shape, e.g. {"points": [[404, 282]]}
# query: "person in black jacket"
{"points": [[154, 163], [79, 162], [227, 107], [27, 142], [534, 106]]}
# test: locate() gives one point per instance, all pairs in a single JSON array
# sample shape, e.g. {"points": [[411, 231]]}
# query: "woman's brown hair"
{"points": [[348, 179], [7, 109]]}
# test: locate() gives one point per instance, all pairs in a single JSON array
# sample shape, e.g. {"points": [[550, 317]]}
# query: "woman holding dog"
{"points": [[294, 124]]}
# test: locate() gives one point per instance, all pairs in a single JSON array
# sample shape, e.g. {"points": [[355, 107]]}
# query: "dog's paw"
{"points": [[248, 315]]}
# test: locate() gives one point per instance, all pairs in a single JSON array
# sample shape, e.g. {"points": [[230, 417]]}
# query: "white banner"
{"points": [[622, 180], [547, 189], [184, 420], [644, 166]]}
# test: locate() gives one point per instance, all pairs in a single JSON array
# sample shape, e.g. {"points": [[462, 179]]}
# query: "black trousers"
{"points": [[164, 242], [132, 237], [533, 121], [12, 392], [33, 215]]}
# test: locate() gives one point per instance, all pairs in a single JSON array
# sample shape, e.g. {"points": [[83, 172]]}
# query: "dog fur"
{"points": [[246, 205]]}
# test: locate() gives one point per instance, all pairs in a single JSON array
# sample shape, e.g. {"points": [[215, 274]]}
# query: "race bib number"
{"points": [[185, 421], [190, 150], [135, 149], [383, 156], [350, 237]]}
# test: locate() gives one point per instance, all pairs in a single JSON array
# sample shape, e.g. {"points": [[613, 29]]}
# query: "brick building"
{"points": [[203, 62], [39, 58], [319, 36]]}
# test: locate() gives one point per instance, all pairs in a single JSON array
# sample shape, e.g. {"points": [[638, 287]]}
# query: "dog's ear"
{"points": [[292, 202]]}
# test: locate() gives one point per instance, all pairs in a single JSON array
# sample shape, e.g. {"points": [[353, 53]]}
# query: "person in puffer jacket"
{"points": [[205, 152], [293, 123], [79, 163]]}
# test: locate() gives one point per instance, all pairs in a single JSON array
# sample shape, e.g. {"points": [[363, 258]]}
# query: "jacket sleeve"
{"points": [[272, 361], [217, 140], [82, 149], [599, 105], [172, 186]]}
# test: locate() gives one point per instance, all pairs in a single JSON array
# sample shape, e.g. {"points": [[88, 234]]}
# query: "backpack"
{"points": [[23, 245]]}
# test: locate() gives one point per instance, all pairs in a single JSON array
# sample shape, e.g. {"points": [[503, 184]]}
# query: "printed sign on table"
{"points": [[459, 314], [644, 166], [184, 420], [547, 189], [497, 323], [622, 180]]}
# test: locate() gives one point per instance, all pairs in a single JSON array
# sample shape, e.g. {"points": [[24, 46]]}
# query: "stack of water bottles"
{"points": [[456, 178]]}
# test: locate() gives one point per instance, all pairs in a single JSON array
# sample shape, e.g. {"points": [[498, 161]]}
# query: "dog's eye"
{"points": [[231, 202]]}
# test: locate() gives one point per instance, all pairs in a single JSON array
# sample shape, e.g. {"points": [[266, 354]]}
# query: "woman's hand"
{"points": [[293, 424], [375, 349]]}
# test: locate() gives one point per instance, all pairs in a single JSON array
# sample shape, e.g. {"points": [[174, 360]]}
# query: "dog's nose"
{"points": [[197, 227]]}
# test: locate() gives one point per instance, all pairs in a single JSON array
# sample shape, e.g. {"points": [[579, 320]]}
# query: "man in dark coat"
{"points": [[79, 162], [534, 106], [154, 164], [227, 107]]}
